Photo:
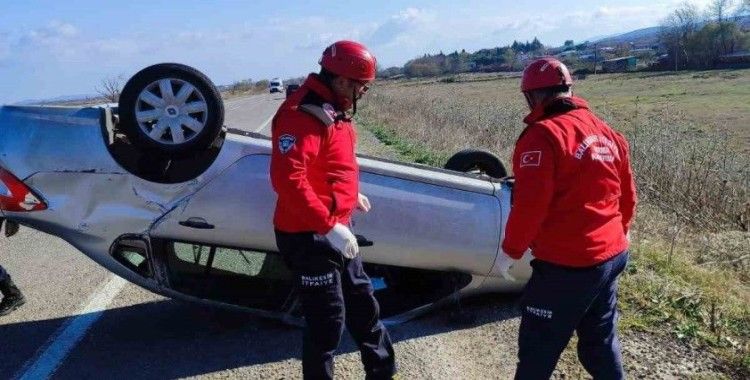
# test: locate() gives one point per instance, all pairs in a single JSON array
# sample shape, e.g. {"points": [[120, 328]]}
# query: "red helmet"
{"points": [[545, 72], [349, 59]]}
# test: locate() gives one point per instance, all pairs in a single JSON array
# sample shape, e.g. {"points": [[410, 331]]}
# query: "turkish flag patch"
{"points": [[532, 158]]}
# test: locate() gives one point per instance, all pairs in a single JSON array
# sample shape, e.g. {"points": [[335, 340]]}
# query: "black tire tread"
{"points": [[468, 159]]}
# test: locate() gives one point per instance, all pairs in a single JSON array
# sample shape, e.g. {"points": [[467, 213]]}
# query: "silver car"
{"points": [[156, 190]]}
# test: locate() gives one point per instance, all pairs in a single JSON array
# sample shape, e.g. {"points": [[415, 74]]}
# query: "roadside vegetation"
{"points": [[244, 87], [689, 279]]}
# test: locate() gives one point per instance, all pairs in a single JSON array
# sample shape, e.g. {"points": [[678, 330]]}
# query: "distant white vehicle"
{"points": [[276, 85]]}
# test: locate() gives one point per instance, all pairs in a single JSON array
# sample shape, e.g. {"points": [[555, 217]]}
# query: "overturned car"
{"points": [[156, 190]]}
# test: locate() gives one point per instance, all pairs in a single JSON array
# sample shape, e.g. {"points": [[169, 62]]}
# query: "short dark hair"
{"points": [[326, 76]]}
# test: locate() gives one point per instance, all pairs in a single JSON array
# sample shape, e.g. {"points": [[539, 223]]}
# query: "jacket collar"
{"points": [[554, 106], [314, 83]]}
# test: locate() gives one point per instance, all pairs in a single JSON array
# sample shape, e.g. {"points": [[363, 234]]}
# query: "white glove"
{"points": [[363, 203], [343, 240], [506, 262]]}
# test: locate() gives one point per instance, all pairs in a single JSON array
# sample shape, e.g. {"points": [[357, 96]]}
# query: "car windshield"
{"points": [[275, 84]]}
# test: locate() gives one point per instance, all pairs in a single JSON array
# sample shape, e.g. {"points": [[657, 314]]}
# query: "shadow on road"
{"points": [[172, 339]]}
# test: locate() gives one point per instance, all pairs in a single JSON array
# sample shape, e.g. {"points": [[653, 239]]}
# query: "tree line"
{"points": [[485, 60], [695, 39]]}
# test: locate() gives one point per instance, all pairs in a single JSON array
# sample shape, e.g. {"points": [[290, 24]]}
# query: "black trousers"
{"points": [[335, 292], [559, 300], [3, 274]]}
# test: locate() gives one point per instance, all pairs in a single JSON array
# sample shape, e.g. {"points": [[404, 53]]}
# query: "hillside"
{"points": [[640, 37], [650, 36]]}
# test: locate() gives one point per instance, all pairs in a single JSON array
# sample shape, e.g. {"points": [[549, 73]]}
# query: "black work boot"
{"points": [[13, 299]]}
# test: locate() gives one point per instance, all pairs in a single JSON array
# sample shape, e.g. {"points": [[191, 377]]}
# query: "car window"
{"points": [[243, 277], [132, 253], [231, 261]]}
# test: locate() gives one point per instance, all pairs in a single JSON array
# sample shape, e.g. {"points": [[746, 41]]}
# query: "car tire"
{"points": [[185, 121], [473, 159]]}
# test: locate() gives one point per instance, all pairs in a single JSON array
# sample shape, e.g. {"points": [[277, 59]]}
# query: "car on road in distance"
{"points": [[275, 85], [158, 192], [291, 88]]}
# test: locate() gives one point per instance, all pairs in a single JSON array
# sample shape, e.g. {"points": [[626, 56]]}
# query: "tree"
{"points": [[569, 44], [422, 68], [692, 45], [510, 58], [719, 10], [516, 46], [622, 50], [677, 30], [389, 72], [536, 45], [729, 31], [459, 63], [241, 86], [744, 9], [261, 84], [109, 88]]}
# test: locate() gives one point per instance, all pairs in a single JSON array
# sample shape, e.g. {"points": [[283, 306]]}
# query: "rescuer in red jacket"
{"points": [[315, 174], [573, 203]]}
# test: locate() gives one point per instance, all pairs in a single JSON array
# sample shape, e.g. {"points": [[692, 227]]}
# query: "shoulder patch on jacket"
{"points": [[286, 142], [531, 158]]}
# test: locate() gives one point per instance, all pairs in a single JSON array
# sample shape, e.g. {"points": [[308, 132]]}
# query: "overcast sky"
{"points": [[55, 48]]}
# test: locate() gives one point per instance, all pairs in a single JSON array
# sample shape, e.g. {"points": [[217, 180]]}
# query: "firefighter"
{"points": [[315, 174], [12, 296], [573, 202]]}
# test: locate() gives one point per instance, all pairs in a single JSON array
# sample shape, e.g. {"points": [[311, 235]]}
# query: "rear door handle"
{"points": [[198, 223]]}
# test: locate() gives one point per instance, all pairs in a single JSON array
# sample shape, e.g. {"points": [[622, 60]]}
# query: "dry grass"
{"points": [[689, 277], [681, 164], [237, 92]]}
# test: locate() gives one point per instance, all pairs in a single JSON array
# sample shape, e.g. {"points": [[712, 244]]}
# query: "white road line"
{"points": [[68, 335], [265, 123]]}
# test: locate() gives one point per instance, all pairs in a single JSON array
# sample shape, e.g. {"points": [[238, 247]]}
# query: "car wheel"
{"points": [[172, 108], [481, 161]]}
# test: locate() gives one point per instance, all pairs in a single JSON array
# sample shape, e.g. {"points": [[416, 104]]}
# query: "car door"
{"points": [[219, 243], [422, 217]]}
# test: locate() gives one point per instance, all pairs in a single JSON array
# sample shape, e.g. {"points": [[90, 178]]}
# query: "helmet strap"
{"points": [[354, 102]]}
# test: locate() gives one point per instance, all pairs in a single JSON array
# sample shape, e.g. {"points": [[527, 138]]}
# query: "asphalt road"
{"points": [[252, 113]]}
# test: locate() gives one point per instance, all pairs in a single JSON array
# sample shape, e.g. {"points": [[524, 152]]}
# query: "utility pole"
{"points": [[596, 56]]}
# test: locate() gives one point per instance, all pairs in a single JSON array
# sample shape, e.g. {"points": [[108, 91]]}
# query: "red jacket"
{"points": [[574, 194], [313, 166]]}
